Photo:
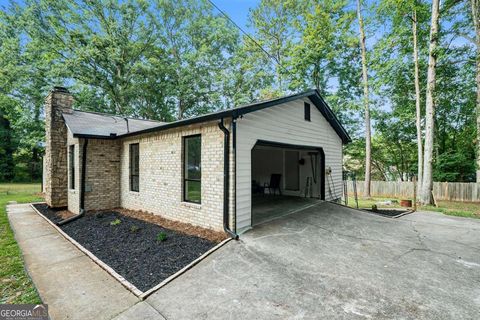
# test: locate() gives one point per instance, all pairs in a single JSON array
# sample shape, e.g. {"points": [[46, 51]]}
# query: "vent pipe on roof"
{"points": [[126, 120]]}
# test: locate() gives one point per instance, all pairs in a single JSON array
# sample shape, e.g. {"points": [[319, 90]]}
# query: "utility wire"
{"points": [[247, 35]]}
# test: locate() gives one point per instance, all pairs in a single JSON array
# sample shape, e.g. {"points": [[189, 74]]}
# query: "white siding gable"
{"points": [[284, 123]]}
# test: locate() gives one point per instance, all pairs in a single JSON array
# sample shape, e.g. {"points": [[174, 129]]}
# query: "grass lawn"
{"points": [[452, 208], [459, 209], [15, 285]]}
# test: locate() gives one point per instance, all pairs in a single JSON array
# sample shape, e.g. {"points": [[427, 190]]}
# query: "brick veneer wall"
{"points": [[161, 184], [58, 101], [102, 175], [107, 175], [102, 180]]}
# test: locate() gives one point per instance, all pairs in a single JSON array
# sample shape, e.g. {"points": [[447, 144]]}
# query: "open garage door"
{"points": [[285, 178]]}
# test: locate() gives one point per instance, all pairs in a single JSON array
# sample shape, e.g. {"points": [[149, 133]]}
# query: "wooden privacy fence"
{"points": [[452, 191]]}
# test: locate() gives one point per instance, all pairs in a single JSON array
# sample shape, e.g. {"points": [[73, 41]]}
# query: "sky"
{"points": [[237, 10]]}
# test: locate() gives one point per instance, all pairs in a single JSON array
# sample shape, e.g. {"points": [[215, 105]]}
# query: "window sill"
{"points": [[192, 205], [72, 190]]}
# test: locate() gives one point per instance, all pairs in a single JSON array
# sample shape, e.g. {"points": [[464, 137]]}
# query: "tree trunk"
{"points": [[417, 102], [427, 183], [180, 109], [368, 139], [476, 24]]}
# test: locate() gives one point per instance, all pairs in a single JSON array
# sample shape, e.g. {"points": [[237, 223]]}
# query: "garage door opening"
{"points": [[285, 178]]}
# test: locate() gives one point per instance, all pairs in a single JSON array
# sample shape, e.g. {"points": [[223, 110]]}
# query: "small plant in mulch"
{"points": [[134, 229], [115, 222], [99, 215], [161, 236]]}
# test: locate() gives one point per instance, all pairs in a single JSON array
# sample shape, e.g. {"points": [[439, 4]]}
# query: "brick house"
{"points": [[207, 170]]}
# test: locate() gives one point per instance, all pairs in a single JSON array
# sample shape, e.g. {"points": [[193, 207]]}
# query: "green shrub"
{"points": [[161, 236], [134, 229], [115, 222]]}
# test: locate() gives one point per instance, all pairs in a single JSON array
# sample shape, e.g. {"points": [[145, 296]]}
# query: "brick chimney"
{"points": [[58, 101]]}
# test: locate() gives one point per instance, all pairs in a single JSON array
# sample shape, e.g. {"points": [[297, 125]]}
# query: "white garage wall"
{"points": [[267, 161], [285, 124]]}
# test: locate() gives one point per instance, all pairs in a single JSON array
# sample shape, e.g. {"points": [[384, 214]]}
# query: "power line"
{"points": [[248, 36]]}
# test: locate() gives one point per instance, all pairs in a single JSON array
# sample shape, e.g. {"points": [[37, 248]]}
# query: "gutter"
{"points": [[82, 188], [226, 180]]}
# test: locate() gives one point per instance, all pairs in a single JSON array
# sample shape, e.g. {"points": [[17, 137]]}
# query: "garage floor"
{"points": [[267, 207], [333, 262]]}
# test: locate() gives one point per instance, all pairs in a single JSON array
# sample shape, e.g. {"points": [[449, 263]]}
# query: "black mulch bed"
{"points": [[50, 213], [132, 249], [392, 213]]}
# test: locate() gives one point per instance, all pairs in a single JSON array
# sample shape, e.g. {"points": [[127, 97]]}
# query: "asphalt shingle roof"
{"points": [[104, 125], [97, 125]]}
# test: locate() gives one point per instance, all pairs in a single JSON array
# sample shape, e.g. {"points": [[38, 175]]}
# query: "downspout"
{"points": [[82, 188], [234, 142], [226, 180]]}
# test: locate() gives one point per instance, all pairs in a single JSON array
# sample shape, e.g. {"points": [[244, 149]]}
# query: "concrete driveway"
{"points": [[333, 262]]}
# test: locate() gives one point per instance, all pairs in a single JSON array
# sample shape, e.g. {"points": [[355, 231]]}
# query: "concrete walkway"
{"points": [[72, 285]]}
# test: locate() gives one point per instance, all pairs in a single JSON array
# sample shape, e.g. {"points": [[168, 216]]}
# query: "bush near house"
{"points": [[15, 284]]}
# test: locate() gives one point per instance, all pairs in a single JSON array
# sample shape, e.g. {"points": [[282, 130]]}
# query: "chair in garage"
{"points": [[274, 184]]}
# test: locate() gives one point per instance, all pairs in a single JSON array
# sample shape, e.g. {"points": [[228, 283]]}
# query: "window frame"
{"points": [[131, 175], [184, 173], [307, 111], [71, 166]]}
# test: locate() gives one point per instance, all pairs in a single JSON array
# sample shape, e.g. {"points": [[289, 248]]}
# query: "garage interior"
{"points": [[285, 179]]}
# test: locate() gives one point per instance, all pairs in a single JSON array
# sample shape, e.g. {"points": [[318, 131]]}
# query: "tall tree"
{"points": [[418, 101], [101, 43], [325, 36], [368, 139], [427, 183], [200, 47], [475, 5], [273, 22]]}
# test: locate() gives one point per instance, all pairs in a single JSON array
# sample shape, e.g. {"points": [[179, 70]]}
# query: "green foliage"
{"points": [[115, 222], [313, 45], [159, 60], [162, 236], [454, 166], [134, 229], [16, 286], [168, 60], [6, 149]]}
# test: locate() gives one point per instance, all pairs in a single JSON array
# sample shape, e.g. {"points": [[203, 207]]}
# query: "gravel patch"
{"points": [[391, 213]]}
